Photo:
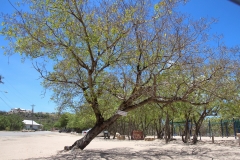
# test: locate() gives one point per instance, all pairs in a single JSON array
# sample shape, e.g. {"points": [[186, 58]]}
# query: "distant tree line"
{"points": [[13, 122], [46, 119]]}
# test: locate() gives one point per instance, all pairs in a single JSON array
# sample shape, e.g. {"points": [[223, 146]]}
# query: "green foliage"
{"points": [[230, 109], [81, 121], [46, 119], [78, 121], [63, 120], [3, 122], [11, 122]]}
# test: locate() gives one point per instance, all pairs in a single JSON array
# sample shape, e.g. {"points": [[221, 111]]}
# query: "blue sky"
{"points": [[21, 80], [22, 83]]}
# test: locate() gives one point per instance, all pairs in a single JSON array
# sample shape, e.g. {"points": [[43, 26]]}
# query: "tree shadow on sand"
{"points": [[111, 154], [128, 153], [155, 151]]}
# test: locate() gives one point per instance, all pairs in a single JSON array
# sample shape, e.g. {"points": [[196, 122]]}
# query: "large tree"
{"points": [[118, 55]]}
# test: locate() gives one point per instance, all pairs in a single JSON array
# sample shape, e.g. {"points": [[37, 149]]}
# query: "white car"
{"points": [[85, 131], [99, 135]]}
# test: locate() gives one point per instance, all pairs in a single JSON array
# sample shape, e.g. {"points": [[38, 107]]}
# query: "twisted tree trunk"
{"points": [[99, 127]]}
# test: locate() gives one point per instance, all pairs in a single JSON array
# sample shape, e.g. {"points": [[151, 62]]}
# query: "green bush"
{"points": [[12, 122]]}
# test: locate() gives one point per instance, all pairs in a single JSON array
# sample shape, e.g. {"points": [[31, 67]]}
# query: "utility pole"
{"points": [[32, 114]]}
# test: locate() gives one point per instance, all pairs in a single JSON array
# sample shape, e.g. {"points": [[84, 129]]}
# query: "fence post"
{"points": [[237, 124], [174, 131], [179, 131], [222, 128], [209, 126], [234, 128]]}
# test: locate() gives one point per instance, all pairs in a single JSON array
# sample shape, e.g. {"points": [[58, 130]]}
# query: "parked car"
{"points": [[64, 131], [85, 131], [104, 134]]}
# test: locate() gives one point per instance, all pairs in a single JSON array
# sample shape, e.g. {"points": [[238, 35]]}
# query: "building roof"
{"points": [[30, 122]]}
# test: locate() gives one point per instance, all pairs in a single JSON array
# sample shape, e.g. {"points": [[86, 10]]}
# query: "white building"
{"points": [[29, 124], [19, 110]]}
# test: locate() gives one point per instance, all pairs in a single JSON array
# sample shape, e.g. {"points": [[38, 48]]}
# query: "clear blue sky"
{"points": [[21, 80]]}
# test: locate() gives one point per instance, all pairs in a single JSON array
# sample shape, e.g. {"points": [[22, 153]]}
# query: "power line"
{"points": [[5, 103], [7, 98], [21, 97]]}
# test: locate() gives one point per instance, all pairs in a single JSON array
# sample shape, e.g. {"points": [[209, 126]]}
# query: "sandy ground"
{"points": [[49, 146]]}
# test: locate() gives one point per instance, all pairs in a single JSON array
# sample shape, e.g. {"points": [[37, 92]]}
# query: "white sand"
{"points": [[47, 146]]}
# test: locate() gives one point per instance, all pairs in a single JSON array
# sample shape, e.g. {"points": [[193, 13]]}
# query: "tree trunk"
{"points": [[158, 127], [167, 135], [129, 128], [99, 127], [160, 134], [185, 135], [195, 136], [113, 129], [198, 125]]}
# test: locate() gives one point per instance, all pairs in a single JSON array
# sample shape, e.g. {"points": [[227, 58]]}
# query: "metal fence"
{"points": [[211, 127]]}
